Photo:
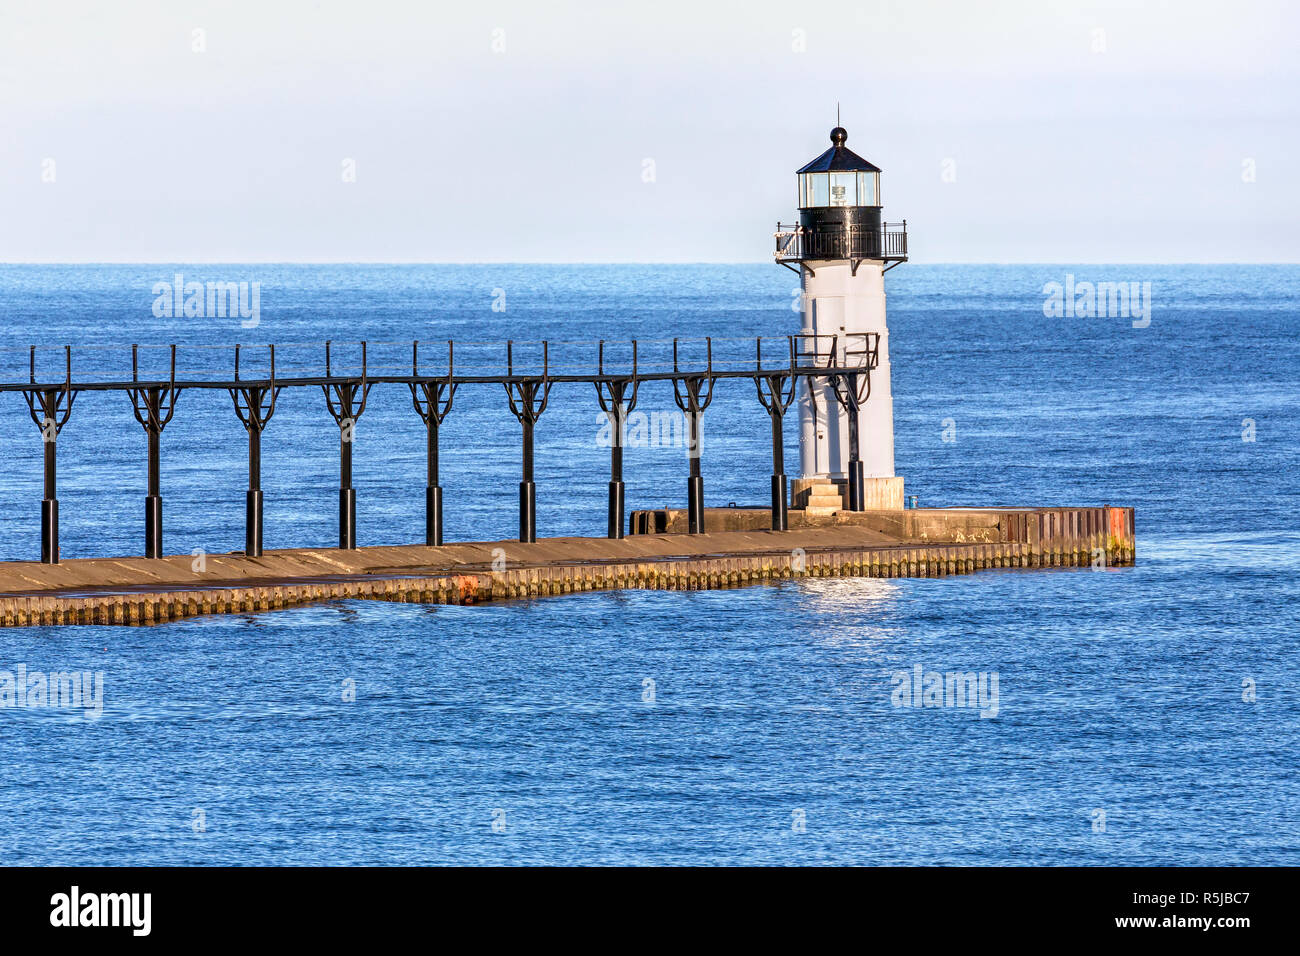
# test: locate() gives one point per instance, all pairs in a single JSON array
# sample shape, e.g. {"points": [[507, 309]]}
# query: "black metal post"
{"points": [[154, 406], [253, 497], [432, 489], [695, 483], [617, 508], [347, 494], [776, 399], [50, 507], [617, 404], [780, 516], [153, 500], [687, 394], [342, 399], [857, 481], [49, 409], [527, 488], [852, 390], [617, 492], [430, 404], [254, 405], [528, 399]]}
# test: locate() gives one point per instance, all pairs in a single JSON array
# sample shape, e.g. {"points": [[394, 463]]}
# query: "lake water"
{"points": [[523, 732]]}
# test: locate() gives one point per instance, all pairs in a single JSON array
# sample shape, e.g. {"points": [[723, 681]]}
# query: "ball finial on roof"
{"points": [[838, 135]]}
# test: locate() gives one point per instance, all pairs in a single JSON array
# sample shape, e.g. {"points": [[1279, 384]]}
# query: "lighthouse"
{"points": [[841, 250]]}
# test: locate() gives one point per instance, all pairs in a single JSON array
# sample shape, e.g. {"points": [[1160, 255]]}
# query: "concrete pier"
{"points": [[914, 543]]}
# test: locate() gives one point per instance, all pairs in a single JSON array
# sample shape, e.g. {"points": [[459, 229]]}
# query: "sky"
{"points": [[293, 131]]}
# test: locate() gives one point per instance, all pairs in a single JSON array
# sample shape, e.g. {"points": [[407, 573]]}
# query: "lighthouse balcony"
{"points": [[796, 243]]}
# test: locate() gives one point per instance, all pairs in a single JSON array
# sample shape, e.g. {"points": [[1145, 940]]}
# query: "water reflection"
{"points": [[850, 596], [853, 614]]}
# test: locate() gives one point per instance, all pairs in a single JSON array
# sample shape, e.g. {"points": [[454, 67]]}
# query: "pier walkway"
{"points": [[915, 543]]}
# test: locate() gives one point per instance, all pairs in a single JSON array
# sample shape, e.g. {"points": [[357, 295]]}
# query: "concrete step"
{"points": [[814, 510], [825, 501]]}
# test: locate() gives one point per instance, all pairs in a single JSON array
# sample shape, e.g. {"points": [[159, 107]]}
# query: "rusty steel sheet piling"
{"points": [[113, 592]]}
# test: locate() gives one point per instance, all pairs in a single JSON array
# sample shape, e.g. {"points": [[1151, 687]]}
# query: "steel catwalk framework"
{"points": [[773, 364]]}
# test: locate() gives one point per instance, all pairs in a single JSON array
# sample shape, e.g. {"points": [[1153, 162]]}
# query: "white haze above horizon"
{"points": [[666, 132]]}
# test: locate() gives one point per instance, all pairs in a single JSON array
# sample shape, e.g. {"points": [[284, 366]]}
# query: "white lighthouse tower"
{"points": [[842, 250]]}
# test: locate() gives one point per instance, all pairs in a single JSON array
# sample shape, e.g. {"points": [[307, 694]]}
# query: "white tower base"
{"points": [[838, 301]]}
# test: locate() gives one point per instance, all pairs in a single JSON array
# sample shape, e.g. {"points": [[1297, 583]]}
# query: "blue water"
{"points": [[1120, 690]]}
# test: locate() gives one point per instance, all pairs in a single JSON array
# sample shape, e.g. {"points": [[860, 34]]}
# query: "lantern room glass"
{"points": [[814, 190], [844, 189], [839, 189], [868, 189]]}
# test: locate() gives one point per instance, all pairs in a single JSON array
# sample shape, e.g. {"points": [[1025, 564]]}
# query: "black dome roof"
{"points": [[839, 158]]}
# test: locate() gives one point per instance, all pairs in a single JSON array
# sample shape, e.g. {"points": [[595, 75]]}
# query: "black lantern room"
{"points": [[840, 210], [839, 186]]}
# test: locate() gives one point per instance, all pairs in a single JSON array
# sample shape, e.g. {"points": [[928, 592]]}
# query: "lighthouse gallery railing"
{"points": [[793, 243]]}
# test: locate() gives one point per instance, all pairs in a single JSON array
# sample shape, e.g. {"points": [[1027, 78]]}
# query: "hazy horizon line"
{"points": [[613, 262]]}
